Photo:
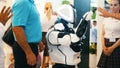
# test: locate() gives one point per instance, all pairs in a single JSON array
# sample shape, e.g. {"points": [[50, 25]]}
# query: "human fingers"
{"points": [[31, 61], [106, 52], [2, 11], [99, 9], [101, 14], [7, 10], [102, 10], [10, 16]]}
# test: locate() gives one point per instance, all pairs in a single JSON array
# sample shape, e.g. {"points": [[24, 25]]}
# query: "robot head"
{"points": [[67, 13]]}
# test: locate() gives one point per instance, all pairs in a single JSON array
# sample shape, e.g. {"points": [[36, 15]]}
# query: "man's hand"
{"points": [[103, 12], [5, 15], [31, 58], [41, 46]]}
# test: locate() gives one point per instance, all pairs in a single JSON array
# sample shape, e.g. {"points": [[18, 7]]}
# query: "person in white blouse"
{"points": [[110, 57], [5, 15], [47, 20]]}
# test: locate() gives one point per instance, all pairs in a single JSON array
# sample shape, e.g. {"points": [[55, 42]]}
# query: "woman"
{"points": [[5, 15], [110, 57], [48, 20]]}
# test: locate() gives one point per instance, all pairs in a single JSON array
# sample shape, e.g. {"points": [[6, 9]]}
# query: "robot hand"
{"points": [[88, 15], [82, 26], [75, 43]]}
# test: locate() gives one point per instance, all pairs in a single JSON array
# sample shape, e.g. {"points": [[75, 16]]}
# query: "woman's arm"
{"points": [[116, 44], [105, 13], [105, 49], [103, 42], [102, 38], [111, 48]]}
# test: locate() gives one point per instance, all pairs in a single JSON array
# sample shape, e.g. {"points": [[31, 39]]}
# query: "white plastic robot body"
{"points": [[59, 47], [65, 12], [66, 37], [64, 42], [87, 16]]}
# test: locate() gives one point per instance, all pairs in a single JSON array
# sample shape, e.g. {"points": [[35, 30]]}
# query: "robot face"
{"points": [[67, 12]]}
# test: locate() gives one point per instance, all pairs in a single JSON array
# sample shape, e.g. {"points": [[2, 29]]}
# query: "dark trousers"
{"points": [[58, 65], [20, 57]]}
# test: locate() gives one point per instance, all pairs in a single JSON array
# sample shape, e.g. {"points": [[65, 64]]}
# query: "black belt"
{"points": [[109, 43], [65, 65], [35, 43], [109, 40]]}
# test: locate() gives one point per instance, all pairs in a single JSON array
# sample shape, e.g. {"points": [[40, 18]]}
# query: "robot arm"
{"points": [[58, 36], [64, 35], [82, 26]]}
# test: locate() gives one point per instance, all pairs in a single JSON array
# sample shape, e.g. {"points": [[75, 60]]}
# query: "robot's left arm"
{"points": [[80, 30]]}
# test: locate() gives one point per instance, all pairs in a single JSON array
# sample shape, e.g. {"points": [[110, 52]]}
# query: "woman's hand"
{"points": [[108, 51], [103, 12], [5, 15], [105, 50]]}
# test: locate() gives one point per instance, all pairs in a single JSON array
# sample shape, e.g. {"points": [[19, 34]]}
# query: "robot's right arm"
{"points": [[59, 38], [56, 36]]}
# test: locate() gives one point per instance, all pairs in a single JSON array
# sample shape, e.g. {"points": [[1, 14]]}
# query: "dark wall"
{"points": [[83, 6]]}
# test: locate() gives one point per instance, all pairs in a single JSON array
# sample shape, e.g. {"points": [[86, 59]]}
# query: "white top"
{"points": [[112, 28], [2, 54], [93, 35], [2, 30], [46, 24]]}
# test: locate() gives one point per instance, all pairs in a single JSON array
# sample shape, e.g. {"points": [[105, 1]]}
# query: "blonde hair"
{"points": [[48, 10]]}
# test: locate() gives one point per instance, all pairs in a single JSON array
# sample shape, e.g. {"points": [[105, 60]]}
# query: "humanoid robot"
{"points": [[63, 40]]}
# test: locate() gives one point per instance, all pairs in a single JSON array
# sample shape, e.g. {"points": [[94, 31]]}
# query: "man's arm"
{"points": [[105, 13], [5, 15], [22, 41]]}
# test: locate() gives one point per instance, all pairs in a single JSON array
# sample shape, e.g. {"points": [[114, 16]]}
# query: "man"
{"points": [[27, 30], [4, 17], [93, 33]]}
